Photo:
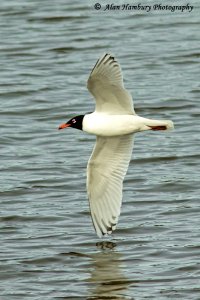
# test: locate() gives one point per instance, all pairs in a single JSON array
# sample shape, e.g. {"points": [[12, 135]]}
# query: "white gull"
{"points": [[114, 123]]}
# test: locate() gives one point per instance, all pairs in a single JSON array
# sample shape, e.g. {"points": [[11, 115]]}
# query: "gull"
{"points": [[114, 122]]}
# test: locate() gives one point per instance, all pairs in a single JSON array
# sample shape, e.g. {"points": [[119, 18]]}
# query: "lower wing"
{"points": [[106, 170]]}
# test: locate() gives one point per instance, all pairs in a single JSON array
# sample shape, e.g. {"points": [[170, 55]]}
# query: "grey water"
{"points": [[48, 247]]}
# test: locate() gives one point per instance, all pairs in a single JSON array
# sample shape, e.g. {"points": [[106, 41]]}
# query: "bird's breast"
{"points": [[110, 125]]}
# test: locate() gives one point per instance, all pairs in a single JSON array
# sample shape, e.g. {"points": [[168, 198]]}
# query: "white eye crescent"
{"points": [[73, 121]]}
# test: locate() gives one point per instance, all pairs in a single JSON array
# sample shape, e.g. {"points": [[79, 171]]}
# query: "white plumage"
{"points": [[106, 85], [114, 122], [105, 173]]}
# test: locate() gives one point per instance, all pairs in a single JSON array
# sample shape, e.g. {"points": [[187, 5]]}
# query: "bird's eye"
{"points": [[73, 121]]}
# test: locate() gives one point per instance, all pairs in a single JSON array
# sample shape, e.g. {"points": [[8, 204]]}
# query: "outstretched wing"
{"points": [[105, 173], [105, 83]]}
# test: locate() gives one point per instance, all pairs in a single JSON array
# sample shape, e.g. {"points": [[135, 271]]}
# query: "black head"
{"points": [[76, 122]]}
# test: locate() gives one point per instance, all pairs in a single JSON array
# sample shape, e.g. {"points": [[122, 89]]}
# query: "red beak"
{"points": [[64, 125]]}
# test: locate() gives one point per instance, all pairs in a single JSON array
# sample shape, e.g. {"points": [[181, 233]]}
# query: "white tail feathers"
{"points": [[169, 125], [150, 124]]}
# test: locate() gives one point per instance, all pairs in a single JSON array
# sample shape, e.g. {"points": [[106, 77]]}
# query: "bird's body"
{"points": [[114, 123], [108, 125]]}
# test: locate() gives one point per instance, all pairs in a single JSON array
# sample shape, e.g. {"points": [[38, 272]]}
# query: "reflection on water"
{"points": [[107, 277]]}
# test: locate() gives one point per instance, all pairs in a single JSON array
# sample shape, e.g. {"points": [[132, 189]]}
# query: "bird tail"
{"points": [[169, 124], [159, 124]]}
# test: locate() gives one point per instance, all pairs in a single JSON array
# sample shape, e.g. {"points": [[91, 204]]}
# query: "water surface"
{"points": [[48, 245]]}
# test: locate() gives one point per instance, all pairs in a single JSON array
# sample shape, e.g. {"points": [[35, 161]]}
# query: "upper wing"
{"points": [[105, 83], [105, 173]]}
